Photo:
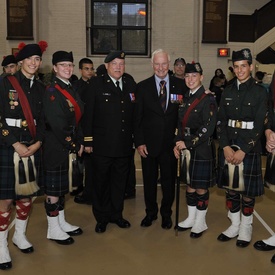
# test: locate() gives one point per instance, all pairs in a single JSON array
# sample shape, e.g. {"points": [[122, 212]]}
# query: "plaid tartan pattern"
{"points": [[202, 172], [253, 178], [56, 181], [7, 181]]}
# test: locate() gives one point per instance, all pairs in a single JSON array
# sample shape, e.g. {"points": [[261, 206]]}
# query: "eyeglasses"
{"points": [[65, 65], [179, 65]]}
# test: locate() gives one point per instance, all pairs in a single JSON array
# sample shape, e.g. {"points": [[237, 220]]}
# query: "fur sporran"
{"points": [[76, 171], [25, 175]]}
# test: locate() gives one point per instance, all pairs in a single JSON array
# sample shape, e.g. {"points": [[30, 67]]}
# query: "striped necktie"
{"points": [[163, 95]]}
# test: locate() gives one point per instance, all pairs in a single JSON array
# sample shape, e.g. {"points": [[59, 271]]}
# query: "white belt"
{"points": [[241, 124], [17, 122]]}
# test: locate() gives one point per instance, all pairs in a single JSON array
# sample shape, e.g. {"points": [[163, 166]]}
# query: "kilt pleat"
{"points": [[202, 172], [56, 181]]}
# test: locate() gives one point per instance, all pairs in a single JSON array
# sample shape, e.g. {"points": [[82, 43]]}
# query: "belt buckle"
{"points": [[18, 123], [238, 124], [24, 123]]}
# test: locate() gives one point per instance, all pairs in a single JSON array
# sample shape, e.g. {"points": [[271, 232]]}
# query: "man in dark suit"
{"points": [[108, 136], [156, 112]]}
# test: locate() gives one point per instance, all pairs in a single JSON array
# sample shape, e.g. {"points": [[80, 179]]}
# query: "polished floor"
{"points": [[145, 251]]}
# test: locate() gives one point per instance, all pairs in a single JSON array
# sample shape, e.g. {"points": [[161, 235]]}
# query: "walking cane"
{"points": [[177, 195]]}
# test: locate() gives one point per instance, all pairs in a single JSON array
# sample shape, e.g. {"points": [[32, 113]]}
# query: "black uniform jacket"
{"points": [[153, 127], [200, 124], [62, 134], [108, 118], [10, 107], [249, 103]]}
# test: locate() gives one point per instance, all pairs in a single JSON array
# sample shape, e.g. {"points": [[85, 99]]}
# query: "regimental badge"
{"points": [[246, 54], [68, 139], [122, 55], [71, 106], [5, 132]]}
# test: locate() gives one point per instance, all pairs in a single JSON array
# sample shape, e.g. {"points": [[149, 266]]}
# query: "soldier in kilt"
{"points": [[269, 244], [196, 124], [19, 145], [63, 110], [241, 118]]}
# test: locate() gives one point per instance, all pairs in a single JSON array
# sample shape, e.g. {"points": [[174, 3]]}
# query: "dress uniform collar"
{"points": [[67, 83]]}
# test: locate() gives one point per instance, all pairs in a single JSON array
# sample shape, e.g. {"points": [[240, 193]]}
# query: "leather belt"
{"points": [[241, 124], [17, 122]]}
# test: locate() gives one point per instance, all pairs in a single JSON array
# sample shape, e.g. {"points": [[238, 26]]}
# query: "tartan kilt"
{"points": [[7, 176], [56, 180], [202, 172], [252, 173]]}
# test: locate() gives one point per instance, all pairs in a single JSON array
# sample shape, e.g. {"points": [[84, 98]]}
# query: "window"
{"points": [[119, 25]]}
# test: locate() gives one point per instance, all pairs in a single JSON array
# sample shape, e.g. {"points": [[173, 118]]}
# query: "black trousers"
{"points": [[109, 178], [166, 163]]}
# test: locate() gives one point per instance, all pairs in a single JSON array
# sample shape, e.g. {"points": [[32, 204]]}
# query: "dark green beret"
{"points": [[114, 54]]}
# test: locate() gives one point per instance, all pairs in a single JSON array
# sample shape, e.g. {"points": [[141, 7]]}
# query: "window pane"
{"points": [[105, 14], [134, 41], [104, 40], [133, 14]]}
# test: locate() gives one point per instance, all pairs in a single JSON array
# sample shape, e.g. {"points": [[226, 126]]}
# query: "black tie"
{"points": [[163, 95], [117, 84]]}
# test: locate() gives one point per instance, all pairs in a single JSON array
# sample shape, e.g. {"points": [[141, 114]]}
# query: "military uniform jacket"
{"points": [[249, 103], [200, 125], [153, 127], [62, 135], [108, 118], [10, 107]]}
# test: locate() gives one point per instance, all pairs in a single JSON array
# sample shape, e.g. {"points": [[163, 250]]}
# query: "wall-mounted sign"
{"points": [[223, 52], [214, 25], [19, 20]]}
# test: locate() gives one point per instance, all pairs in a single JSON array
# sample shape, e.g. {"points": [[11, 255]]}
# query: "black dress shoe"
{"points": [[195, 235], [101, 227], [76, 232], [166, 223], [242, 244], [5, 266], [81, 200], [147, 221], [260, 245], [26, 250], [273, 259], [223, 238], [179, 228], [64, 242], [122, 223], [77, 191]]}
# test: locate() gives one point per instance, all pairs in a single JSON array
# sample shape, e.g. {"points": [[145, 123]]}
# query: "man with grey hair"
{"points": [[157, 101]]}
